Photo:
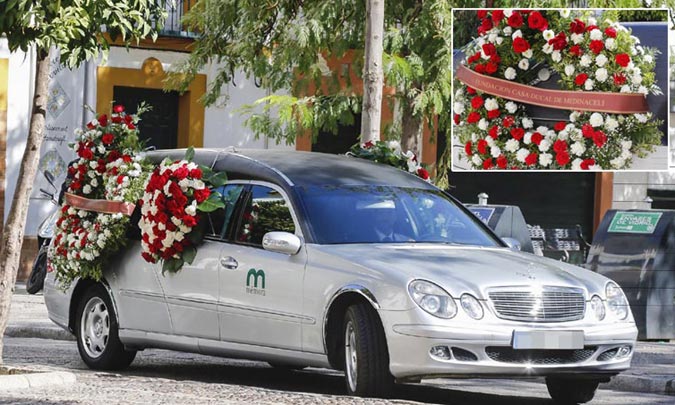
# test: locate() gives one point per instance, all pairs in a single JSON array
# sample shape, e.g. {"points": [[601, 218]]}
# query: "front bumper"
{"points": [[484, 348]]}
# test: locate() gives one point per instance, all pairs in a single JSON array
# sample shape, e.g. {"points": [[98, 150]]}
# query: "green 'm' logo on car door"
{"points": [[255, 282]]}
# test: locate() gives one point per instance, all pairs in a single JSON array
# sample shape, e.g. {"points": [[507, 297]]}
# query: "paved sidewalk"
{"points": [[652, 371]]}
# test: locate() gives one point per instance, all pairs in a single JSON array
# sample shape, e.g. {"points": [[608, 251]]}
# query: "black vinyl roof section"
{"points": [[295, 168]]}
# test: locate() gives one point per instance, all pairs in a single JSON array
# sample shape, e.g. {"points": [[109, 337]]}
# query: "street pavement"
{"points": [[161, 376]]}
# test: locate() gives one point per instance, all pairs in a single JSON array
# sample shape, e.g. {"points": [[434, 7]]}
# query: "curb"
{"points": [[40, 332], [662, 385], [34, 379]]}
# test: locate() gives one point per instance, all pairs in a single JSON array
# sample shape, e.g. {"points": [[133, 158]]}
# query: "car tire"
{"points": [[97, 332], [366, 358], [36, 280], [570, 390]]}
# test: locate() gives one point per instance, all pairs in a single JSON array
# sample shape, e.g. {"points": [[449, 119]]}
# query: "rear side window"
{"points": [[265, 210], [219, 220]]}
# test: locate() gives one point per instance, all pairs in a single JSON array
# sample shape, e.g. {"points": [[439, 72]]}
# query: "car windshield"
{"points": [[382, 214]]}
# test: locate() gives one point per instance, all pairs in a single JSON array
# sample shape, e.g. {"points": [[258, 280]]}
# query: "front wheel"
{"points": [[365, 353], [97, 332], [36, 280], [571, 391]]}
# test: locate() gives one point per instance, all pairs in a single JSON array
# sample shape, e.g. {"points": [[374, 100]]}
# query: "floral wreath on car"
{"points": [[390, 153], [593, 58], [103, 184]]}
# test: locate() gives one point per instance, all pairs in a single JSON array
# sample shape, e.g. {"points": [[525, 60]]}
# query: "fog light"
{"points": [[624, 351], [441, 352]]}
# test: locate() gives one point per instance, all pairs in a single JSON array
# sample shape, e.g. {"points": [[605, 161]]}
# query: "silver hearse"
{"points": [[330, 261]]}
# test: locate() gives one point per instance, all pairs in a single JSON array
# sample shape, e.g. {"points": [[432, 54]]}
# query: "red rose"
{"points": [[493, 113], [576, 50], [517, 133], [126, 158], [610, 32], [488, 164], [597, 46], [562, 158], [536, 21], [537, 138], [619, 79], [116, 120], [586, 163], [479, 68], [470, 90], [477, 102], [467, 149], [560, 125], [497, 16], [113, 155], [482, 146], [103, 120], [489, 49], [587, 130], [516, 20], [502, 162], [520, 45], [181, 173], [622, 59], [577, 26], [474, 58], [599, 138], [494, 132], [495, 59], [456, 119], [128, 119], [423, 173], [473, 117], [531, 159], [118, 108], [107, 139], [591, 28], [507, 121], [202, 195], [173, 207], [189, 220], [485, 26], [481, 13], [148, 257], [196, 173], [580, 79], [560, 146], [86, 153], [559, 42], [491, 68], [131, 126]]}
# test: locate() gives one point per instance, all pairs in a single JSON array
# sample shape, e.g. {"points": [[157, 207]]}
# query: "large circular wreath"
{"points": [[591, 55]]}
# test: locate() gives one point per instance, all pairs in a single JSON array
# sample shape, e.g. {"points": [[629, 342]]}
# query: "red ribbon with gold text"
{"points": [[601, 101], [104, 206]]}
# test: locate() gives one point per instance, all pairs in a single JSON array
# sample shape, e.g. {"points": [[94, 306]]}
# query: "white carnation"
{"points": [[86, 189], [522, 154], [585, 61], [577, 148], [600, 60], [596, 120], [511, 107], [576, 164], [495, 151], [545, 159], [617, 163], [482, 124], [625, 89], [577, 38], [544, 145], [524, 64], [589, 84], [516, 34], [511, 145], [596, 34], [556, 56], [547, 48], [527, 123], [510, 73], [458, 107], [601, 74], [491, 104], [507, 30], [569, 70], [476, 160], [611, 124], [642, 118], [610, 44]]}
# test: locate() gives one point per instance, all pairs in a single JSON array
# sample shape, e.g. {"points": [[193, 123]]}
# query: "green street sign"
{"points": [[635, 222]]}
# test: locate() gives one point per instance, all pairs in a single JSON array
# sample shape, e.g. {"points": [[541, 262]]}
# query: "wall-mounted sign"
{"points": [[484, 214]]}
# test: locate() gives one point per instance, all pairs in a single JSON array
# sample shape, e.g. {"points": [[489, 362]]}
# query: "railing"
{"points": [[173, 26]]}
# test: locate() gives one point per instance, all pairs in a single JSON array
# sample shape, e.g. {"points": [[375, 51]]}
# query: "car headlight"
{"points": [[432, 299], [616, 301], [597, 308], [471, 306]]}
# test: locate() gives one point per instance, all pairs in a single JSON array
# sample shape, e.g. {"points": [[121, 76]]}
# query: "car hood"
{"points": [[460, 269]]}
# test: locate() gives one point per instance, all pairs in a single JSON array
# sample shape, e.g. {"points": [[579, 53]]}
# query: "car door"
{"points": [[261, 291], [192, 294]]}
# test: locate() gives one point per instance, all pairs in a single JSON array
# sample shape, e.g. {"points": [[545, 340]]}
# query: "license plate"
{"points": [[548, 339]]}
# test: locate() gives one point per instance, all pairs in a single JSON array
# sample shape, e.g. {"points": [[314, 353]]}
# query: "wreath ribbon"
{"points": [[104, 206], [608, 102]]}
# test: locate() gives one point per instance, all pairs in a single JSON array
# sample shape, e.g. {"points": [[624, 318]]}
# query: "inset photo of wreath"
{"points": [[560, 89]]}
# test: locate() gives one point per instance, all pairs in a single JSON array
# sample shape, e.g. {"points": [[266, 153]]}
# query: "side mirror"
{"points": [[513, 244], [50, 178], [281, 242]]}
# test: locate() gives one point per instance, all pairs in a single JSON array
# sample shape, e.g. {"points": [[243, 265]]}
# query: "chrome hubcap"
{"points": [[350, 356], [95, 327]]}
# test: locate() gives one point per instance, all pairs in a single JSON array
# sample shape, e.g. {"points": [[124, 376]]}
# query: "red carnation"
{"points": [[559, 42], [196, 173], [610, 32], [467, 149], [481, 13], [202, 195], [482, 146], [423, 173], [622, 59], [619, 79], [103, 120], [560, 125], [497, 16], [189, 220], [586, 163], [181, 173], [560, 146], [494, 132], [477, 102], [507, 121], [536, 21], [470, 90], [576, 50], [577, 26], [473, 117], [491, 68], [580, 79], [531, 159], [107, 139], [587, 130], [118, 108], [480, 68], [493, 113], [520, 45], [488, 164], [537, 138], [562, 158], [485, 26], [597, 46], [86, 153], [517, 133], [489, 49], [599, 138], [502, 162], [516, 20]]}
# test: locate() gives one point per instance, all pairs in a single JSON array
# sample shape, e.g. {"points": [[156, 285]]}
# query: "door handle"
{"points": [[229, 262]]}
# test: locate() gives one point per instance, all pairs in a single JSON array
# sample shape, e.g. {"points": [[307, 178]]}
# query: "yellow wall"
{"points": [[152, 76]]}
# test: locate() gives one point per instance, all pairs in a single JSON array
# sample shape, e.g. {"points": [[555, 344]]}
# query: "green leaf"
{"points": [[210, 205], [196, 236], [217, 179], [189, 254], [190, 154], [172, 265]]}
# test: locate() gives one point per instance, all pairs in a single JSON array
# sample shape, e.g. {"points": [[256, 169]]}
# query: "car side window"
{"points": [[265, 210], [219, 220]]}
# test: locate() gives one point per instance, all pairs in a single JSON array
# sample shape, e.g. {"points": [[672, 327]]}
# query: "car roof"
{"points": [[289, 168]]}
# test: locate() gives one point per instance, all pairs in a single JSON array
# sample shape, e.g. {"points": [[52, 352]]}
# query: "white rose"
{"points": [[569, 70], [511, 107], [610, 44], [596, 120], [600, 60], [458, 107], [507, 30], [589, 84], [512, 145], [545, 159], [585, 61], [516, 34], [527, 54], [522, 154], [191, 210], [544, 145], [86, 189], [508, 12], [601, 75], [510, 73], [94, 182], [549, 34], [556, 56], [577, 148], [527, 123], [524, 64], [547, 48], [491, 104], [596, 34]]}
